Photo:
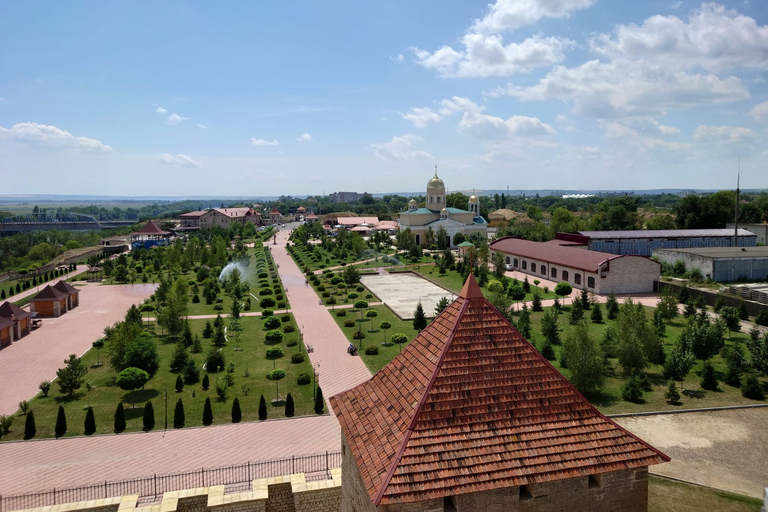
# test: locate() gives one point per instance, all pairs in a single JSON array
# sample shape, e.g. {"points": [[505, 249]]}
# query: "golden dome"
{"points": [[474, 199], [412, 202], [435, 182], [444, 212]]}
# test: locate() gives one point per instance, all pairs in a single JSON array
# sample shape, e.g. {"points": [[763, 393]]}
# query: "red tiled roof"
{"points": [[9, 308], [311, 216], [470, 405], [274, 212], [150, 228], [49, 293], [195, 214], [553, 253], [65, 287], [4, 322], [354, 221], [235, 212]]}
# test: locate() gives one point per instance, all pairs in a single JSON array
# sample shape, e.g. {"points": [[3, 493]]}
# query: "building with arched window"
{"points": [[436, 214]]}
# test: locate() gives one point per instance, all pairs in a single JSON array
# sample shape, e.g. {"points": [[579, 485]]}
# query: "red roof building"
{"points": [[150, 235], [49, 302], [19, 319], [470, 414]]}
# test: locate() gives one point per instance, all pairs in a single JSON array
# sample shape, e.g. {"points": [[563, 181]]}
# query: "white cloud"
{"points": [[513, 14], [175, 119], [400, 148], [723, 135], [305, 138], [201, 126], [646, 134], [180, 160], [263, 142], [397, 58], [760, 112], [35, 134], [161, 110], [623, 88], [484, 126], [486, 55], [714, 38], [422, 116]]}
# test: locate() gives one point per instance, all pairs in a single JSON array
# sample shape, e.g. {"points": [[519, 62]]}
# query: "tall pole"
{"points": [[166, 411], [736, 216]]}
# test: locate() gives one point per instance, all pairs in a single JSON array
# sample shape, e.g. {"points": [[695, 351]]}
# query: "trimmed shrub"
{"points": [[179, 384], [89, 426], [372, 350], [297, 358], [236, 413], [319, 403], [61, 422], [274, 353], [341, 312], [119, 418], [303, 378], [271, 322], [178, 415], [30, 430], [273, 337], [149, 417], [206, 382], [289, 328], [285, 318], [281, 304], [289, 406], [291, 343], [358, 335], [207, 412], [267, 302], [262, 408], [632, 389], [349, 323], [267, 312], [750, 387]]}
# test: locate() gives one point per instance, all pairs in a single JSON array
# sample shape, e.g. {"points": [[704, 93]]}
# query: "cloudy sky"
{"points": [[267, 98]]}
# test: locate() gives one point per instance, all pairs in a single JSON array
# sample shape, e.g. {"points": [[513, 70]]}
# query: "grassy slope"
{"points": [[670, 496]]}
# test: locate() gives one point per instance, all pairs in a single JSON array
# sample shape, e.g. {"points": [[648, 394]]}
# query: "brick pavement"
{"points": [[37, 356]]}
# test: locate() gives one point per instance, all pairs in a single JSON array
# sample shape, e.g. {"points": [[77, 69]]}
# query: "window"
{"points": [[418, 239], [543, 270], [430, 198], [565, 272], [525, 265], [591, 282], [507, 260], [447, 240], [553, 272], [526, 492], [449, 504], [533, 267], [514, 263], [593, 481], [577, 278]]}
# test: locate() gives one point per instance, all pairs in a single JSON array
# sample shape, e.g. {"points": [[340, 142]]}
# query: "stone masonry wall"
{"points": [[354, 496], [630, 274]]}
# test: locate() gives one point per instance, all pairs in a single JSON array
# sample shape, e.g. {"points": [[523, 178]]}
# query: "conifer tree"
{"points": [[672, 395], [207, 412], [236, 414], [119, 418], [179, 384], [178, 415], [262, 408], [419, 318], [30, 430], [149, 417], [708, 377], [319, 403], [89, 426], [289, 406], [206, 382], [597, 314], [61, 423]]}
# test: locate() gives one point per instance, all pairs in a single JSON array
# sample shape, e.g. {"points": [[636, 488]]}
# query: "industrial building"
{"points": [[760, 230], [722, 264], [643, 242], [599, 272]]}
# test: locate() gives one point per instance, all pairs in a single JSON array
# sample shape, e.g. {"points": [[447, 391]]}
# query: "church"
{"points": [[436, 214]]}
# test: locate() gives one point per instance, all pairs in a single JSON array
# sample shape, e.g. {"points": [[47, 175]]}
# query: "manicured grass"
{"points": [[341, 295], [374, 335], [105, 394], [666, 495], [610, 400]]}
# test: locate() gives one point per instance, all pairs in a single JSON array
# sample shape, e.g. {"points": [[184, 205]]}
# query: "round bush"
{"points": [[273, 337], [341, 312], [303, 378], [274, 353], [218, 307], [267, 312], [360, 288], [276, 374], [262, 275], [368, 295], [289, 328], [279, 296], [292, 343], [358, 335], [281, 304], [265, 291], [271, 322], [353, 296], [326, 295], [349, 323], [332, 300], [371, 350], [267, 302], [297, 358]]}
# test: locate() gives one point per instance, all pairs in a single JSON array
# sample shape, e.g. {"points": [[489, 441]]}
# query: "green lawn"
{"points": [[666, 495], [105, 394], [374, 335], [342, 295]]}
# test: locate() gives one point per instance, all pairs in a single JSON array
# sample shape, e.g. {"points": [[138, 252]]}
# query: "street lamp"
{"points": [[316, 371], [166, 411]]}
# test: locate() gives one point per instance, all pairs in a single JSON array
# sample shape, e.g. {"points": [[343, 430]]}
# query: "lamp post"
{"points": [[166, 411], [316, 372]]}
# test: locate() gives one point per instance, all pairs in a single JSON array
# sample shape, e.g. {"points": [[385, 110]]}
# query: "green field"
{"points": [[105, 394], [666, 495]]}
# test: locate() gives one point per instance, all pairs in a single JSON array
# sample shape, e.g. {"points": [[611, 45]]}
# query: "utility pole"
{"points": [[736, 216]]}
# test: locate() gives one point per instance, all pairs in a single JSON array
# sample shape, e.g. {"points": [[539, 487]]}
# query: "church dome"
{"points": [[412, 202], [444, 212], [435, 182], [474, 199]]}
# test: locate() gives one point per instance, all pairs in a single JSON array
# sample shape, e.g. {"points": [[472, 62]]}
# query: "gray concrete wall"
{"points": [[761, 230]]}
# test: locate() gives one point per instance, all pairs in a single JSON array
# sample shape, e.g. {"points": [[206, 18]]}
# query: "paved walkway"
{"points": [[43, 464], [37, 356]]}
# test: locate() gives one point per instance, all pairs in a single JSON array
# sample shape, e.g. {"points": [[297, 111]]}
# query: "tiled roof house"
{"points": [[471, 417]]}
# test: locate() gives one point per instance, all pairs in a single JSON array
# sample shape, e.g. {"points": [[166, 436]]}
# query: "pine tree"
{"points": [[526, 285], [419, 318], [206, 382], [149, 417], [89, 426], [61, 423], [207, 412], [547, 350], [612, 307], [178, 415], [119, 418], [597, 314], [262, 408], [672, 396], [577, 312], [30, 430], [207, 330], [536, 302], [319, 403], [236, 414], [708, 377], [585, 302], [179, 384], [289, 406], [180, 356]]}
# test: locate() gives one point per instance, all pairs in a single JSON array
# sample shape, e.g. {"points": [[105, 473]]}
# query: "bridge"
{"points": [[63, 221]]}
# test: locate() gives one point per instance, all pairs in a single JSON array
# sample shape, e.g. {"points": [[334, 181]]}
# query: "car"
{"points": [[510, 267]]}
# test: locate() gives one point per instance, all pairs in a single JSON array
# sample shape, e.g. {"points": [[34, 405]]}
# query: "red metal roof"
{"points": [[49, 293], [195, 214], [469, 406], [274, 212], [150, 228], [9, 308], [553, 253]]}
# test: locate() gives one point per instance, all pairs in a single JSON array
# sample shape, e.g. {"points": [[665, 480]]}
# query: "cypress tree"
{"points": [[319, 403], [708, 377], [206, 381], [119, 418], [149, 416], [207, 412], [89, 426], [61, 423], [29, 426], [2, 295], [262, 408], [597, 314], [289, 406], [236, 414], [419, 318], [180, 384], [178, 415]]}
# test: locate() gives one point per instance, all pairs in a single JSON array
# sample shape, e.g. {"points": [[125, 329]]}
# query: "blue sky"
{"points": [[268, 98]]}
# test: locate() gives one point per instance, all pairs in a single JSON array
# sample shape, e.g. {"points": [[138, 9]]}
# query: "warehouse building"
{"points": [[722, 264], [760, 230], [643, 242], [598, 272]]}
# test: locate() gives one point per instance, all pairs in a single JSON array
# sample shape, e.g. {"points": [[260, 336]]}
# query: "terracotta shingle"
{"points": [[470, 405]]}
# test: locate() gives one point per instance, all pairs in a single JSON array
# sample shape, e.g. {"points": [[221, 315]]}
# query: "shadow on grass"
{"points": [[602, 398]]}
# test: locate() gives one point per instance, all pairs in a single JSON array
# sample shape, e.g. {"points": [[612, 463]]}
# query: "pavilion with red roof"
{"points": [[14, 323], [470, 416], [150, 235]]}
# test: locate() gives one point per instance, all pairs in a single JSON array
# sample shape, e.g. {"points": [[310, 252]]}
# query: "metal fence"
{"points": [[151, 488]]}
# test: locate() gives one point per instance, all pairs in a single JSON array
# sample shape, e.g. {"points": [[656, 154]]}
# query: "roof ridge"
{"points": [[409, 430]]}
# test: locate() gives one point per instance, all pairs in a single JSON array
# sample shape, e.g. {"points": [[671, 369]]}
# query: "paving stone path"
{"points": [[37, 465]]}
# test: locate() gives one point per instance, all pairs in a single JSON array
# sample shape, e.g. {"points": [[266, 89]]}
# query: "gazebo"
{"points": [[19, 319], [465, 248], [5, 332], [73, 294], [94, 274], [150, 235], [50, 302]]}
